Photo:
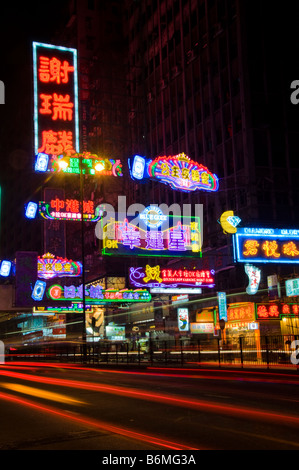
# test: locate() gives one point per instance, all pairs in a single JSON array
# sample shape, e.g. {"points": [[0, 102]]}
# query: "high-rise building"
{"points": [[211, 78]]}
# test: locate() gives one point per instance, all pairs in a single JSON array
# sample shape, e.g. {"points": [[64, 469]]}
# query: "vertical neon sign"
{"points": [[56, 115]]}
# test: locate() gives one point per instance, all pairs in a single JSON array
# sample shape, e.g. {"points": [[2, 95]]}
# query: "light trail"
{"points": [[238, 375], [99, 425], [204, 405]]}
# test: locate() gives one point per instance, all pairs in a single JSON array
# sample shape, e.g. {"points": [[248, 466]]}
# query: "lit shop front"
{"points": [[241, 321], [278, 318]]}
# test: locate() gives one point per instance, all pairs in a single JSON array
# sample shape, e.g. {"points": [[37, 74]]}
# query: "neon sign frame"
{"points": [[45, 210], [49, 266], [178, 236], [96, 295], [37, 47], [158, 277], [266, 245], [178, 171]]}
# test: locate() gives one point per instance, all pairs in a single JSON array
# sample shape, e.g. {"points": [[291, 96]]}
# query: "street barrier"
{"points": [[239, 352]]}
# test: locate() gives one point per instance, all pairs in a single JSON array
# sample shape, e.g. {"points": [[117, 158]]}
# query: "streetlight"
{"points": [[63, 164]]}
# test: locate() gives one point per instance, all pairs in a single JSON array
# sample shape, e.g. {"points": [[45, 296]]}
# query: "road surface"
{"points": [[65, 407]]}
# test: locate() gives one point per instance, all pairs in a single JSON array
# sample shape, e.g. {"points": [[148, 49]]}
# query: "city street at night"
{"points": [[149, 229], [61, 407]]}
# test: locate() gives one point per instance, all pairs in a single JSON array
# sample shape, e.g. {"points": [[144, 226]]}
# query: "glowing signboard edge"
{"points": [[35, 45]]}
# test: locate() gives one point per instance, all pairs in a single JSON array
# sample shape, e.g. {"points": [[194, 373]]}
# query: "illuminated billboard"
{"points": [[178, 172], [277, 310], [69, 209], [49, 266], [85, 163], [96, 295], [152, 235], [157, 276], [266, 245], [56, 116]]}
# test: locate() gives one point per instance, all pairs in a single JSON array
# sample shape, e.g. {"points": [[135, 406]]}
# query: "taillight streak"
{"points": [[206, 406]]}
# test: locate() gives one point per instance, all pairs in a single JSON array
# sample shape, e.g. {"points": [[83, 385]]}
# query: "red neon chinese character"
{"points": [[262, 311], [273, 311], [57, 105], [57, 204], [295, 309], [88, 207], [62, 108], [286, 309], [290, 249], [270, 249], [53, 70], [56, 143], [251, 247], [72, 205]]}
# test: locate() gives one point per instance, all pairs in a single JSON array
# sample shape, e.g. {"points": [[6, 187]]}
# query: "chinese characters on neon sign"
{"points": [[276, 310], [178, 172], [95, 294], [241, 312], [87, 163], [69, 209], [49, 266], [266, 245], [157, 276], [177, 236], [56, 125]]}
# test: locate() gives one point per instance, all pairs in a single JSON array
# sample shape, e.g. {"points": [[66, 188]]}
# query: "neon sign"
{"points": [[5, 268], [229, 222], [153, 217], [95, 294], [49, 267], [254, 275], [86, 163], [266, 245], [69, 209], [177, 236], [241, 312], [56, 116], [292, 287], [276, 310], [183, 319], [157, 277], [178, 171]]}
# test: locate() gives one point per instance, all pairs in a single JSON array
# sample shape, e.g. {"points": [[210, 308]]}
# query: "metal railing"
{"points": [[267, 352]]}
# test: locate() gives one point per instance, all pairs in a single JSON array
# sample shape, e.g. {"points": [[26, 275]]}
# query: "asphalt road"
{"points": [[64, 407]]}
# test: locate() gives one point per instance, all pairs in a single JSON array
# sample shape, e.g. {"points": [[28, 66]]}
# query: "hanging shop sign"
{"points": [[222, 306], [49, 266], [254, 276], [183, 319], [95, 294], [70, 209], [56, 110], [178, 171], [157, 277], [263, 245], [292, 287], [277, 310], [79, 163], [175, 236]]}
